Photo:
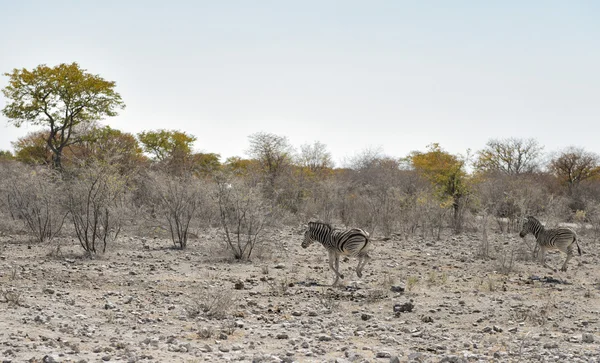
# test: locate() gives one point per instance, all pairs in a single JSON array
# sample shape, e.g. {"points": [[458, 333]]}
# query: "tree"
{"points": [[273, 152], [166, 144], [205, 163], [315, 157], [108, 145], [171, 149], [510, 156], [6, 155], [61, 98], [33, 149], [574, 165], [446, 172]]}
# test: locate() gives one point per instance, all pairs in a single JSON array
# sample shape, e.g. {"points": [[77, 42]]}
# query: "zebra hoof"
{"points": [[563, 269], [358, 273]]}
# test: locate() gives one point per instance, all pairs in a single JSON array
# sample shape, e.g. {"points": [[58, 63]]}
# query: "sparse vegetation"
{"points": [[96, 204], [213, 304], [328, 300], [411, 282]]}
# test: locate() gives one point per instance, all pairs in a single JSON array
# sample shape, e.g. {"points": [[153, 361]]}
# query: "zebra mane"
{"points": [[319, 223], [535, 222]]}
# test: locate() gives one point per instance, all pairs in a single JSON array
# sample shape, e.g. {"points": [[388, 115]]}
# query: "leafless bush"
{"points": [[536, 315], [243, 214], [178, 199], [96, 203], [328, 300], [12, 297], [432, 214], [322, 200], [206, 332], [213, 304], [505, 262], [35, 197]]}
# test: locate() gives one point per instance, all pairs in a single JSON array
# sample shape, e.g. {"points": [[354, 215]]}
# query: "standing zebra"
{"points": [[353, 242], [561, 239]]}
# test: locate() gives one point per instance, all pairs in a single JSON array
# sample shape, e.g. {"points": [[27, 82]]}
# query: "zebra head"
{"points": [[307, 241], [529, 225]]}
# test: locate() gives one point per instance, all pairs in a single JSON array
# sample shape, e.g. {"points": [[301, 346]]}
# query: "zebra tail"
{"points": [[578, 249]]}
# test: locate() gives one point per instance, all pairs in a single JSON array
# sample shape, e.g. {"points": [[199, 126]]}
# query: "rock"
{"points": [[395, 359], [407, 307], [397, 288], [239, 285], [282, 336], [452, 359], [365, 316], [416, 356], [48, 291], [280, 266], [324, 338], [383, 355], [587, 338]]}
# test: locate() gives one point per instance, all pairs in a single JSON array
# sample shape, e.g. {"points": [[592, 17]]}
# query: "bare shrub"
{"points": [[178, 199], [96, 203], [505, 262], [213, 304], [12, 297], [328, 300], [432, 215], [35, 197], [535, 315], [243, 215]]}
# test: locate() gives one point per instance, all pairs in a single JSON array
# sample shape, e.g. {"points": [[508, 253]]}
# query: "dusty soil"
{"points": [[420, 300]]}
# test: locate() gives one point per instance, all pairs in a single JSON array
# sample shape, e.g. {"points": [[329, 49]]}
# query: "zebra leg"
{"points": [[333, 258], [362, 261], [543, 257], [337, 266], [569, 255]]}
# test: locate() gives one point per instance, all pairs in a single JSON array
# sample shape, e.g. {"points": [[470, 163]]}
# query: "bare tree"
{"points": [[315, 157], [96, 203], [243, 215], [178, 200], [35, 196], [510, 156], [273, 152], [574, 165]]}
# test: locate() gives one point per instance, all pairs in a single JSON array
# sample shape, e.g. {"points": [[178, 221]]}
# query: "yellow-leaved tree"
{"points": [[59, 98], [447, 174]]}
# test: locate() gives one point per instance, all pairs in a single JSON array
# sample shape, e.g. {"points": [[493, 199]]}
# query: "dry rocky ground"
{"points": [[421, 299]]}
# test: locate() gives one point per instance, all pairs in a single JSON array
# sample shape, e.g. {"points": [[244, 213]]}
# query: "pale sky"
{"points": [[396, 75]]}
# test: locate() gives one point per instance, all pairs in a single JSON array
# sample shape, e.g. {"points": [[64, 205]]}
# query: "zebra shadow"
{"points": [[311, 283], [549, 280]]}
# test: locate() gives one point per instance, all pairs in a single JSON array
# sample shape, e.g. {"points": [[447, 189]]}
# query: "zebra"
{"points": [[561, 239], [353, 242]]}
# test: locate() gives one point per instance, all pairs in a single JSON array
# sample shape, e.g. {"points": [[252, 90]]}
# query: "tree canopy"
{"points": [[165, 144], [510, 156], [574, 165], [60, 98]]}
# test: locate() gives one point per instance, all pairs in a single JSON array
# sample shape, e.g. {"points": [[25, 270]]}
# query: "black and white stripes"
{"points": [[561, 239], [351, 242]]}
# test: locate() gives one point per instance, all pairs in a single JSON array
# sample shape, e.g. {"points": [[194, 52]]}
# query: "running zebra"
{"points": [[353, 242], [561, 239]]}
